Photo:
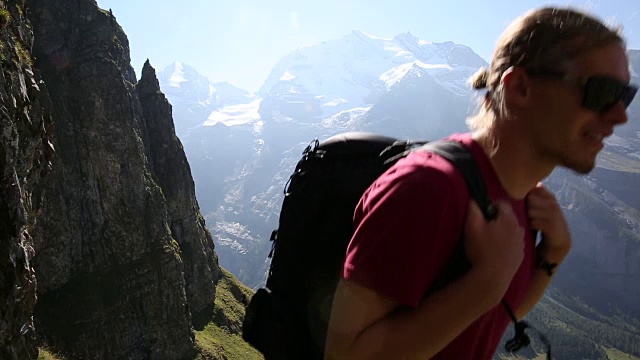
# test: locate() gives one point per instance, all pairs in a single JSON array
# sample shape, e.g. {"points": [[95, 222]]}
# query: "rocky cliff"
{"points": [[170, 169], [24, 159], [124, 260]]}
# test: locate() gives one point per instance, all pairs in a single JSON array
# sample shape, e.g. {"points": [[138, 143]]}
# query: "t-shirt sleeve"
{"points": [[406, 227]]}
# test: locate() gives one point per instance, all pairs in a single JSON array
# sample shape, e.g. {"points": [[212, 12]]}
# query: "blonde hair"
{"points": [[545, 37]]}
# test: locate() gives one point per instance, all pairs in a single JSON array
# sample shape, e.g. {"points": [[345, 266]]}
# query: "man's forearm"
{"points": [[541, 278], [423, 332]]}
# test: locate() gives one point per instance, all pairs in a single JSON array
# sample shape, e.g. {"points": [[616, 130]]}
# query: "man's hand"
{"points": [[545, 214], [495, 248]]}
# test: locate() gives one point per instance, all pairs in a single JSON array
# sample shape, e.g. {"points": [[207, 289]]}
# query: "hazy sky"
{"points": [[239, 41]]}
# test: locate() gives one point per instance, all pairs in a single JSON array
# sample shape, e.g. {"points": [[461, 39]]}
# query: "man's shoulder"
{"points": [[421, 172], [434, 166], [421, 165]]}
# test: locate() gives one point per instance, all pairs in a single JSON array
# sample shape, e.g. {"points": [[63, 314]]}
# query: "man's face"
{"points": [[568, 133]]}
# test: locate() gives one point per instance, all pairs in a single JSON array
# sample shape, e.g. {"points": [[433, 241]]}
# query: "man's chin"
{"points": [[582, 168]]}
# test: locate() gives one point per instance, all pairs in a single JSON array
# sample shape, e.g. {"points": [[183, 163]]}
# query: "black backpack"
{"points": [[288, 318]]}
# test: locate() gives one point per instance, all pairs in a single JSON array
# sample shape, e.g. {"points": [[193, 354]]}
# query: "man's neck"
{"points": [[515, 161]]}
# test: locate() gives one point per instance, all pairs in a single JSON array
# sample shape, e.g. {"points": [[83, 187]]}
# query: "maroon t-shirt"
{"points": [[407, 225]]}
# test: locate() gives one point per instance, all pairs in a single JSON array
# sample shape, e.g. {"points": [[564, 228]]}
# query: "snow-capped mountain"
{"points": [[334, 82], [181, 82], [352, 71], [196, 100], [242, 149]]}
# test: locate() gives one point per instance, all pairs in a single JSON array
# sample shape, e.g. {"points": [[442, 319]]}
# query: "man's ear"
{"points": [[516, 86]]}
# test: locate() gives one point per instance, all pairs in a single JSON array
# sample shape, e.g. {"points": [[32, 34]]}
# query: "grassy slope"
{"points": [[221, 339], [614, 354], [577, 331], [45, 354], [617, 162]]}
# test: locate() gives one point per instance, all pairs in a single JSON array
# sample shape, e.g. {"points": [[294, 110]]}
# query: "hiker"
{"points": [[557, 85]]}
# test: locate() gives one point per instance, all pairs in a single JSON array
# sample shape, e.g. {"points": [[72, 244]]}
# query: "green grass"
{"points": [[516, 357], [45, 354], [614, 354], [616, 162], [215, 342], [23, 55], [5, 20], [229, 293], [221, 338], [578, 329], [5, 17]]}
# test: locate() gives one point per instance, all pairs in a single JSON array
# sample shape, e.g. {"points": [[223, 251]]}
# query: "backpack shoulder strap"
{"points": [[462, 158]]}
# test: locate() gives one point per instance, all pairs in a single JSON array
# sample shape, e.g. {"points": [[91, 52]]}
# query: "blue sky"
{"points": [[240, 41]]}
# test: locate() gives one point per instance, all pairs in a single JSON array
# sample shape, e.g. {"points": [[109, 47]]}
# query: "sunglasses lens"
{"points": [[602, 94], [629, 95]]}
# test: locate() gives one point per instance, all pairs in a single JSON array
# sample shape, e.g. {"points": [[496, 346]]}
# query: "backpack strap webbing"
{"points": [[462, 158]]}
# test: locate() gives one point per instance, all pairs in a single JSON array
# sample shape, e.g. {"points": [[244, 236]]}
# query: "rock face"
{"points": [[170, 169], [24, 159], [125, 259]]}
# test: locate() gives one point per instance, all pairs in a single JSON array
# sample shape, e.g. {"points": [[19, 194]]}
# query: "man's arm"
{"points": [[545, 214], [541, 278], [366, 325]]}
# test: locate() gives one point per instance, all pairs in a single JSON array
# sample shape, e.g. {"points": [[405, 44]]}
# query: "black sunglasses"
{"points": [[601, 93]]}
